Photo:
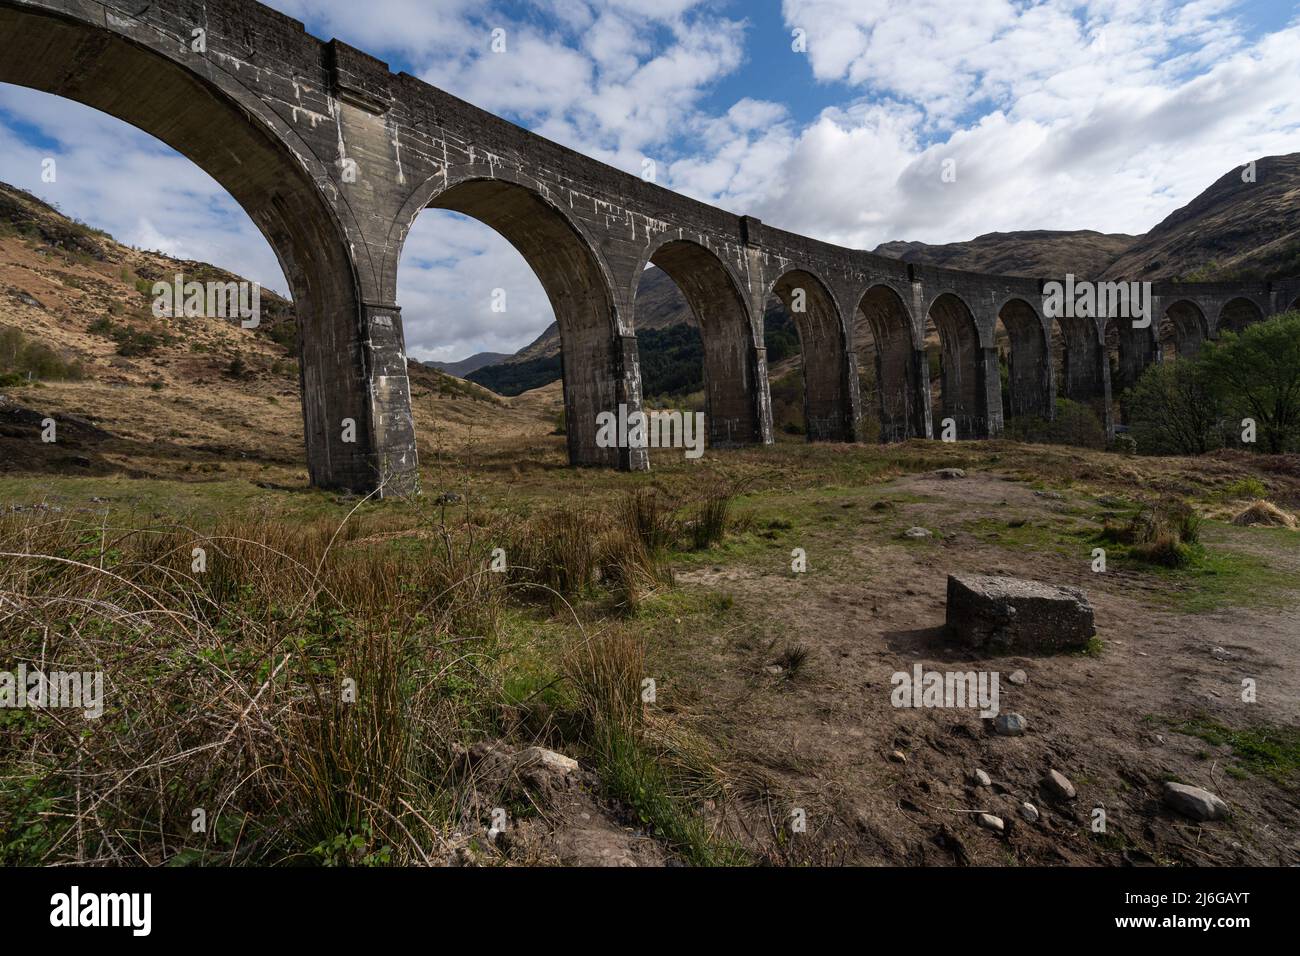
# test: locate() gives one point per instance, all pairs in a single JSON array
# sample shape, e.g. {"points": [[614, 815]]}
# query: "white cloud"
{"points": [[119, 179]]}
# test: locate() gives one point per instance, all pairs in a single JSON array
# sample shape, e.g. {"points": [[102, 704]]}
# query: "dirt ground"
{"points": [[824, 740]]}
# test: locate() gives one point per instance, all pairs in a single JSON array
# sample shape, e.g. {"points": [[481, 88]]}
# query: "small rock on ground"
{"points": [[1194, 802], [981, 779], [1018, 678], [1058, 785], [990, 822], [1028, 812], [916, 533], [1009, 725]]}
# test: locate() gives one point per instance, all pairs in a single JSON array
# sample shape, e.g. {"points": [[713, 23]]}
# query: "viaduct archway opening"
{"points": [[1238, 313], [204, 119], [1080, 361], [580, 297], [888, 367], [1022, 360], [730, 399], [828, 414], [1129, 351], [956, 378], [1182, 330]]}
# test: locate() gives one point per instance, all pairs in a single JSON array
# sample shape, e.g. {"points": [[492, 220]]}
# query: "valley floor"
{"points": [[779, 683]]}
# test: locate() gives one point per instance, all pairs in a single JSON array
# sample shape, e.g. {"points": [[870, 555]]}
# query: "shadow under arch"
{"points": [[1081, 364], [1028, 391], [732, 404], [1183, 329], [828, 395], [1238, 313], [212, 120], [598, 353], [962, 387], [895, 359]]}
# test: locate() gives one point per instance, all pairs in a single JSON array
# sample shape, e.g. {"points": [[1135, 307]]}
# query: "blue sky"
{"points": [[1059, 115]]}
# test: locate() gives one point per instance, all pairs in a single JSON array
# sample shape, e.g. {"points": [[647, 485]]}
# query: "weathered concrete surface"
{"points": [[333, 156], [1012, 615]]}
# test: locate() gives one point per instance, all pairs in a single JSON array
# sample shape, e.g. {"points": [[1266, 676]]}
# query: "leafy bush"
{"points": [[22, 359], [1174, 410], [1256, 373]]}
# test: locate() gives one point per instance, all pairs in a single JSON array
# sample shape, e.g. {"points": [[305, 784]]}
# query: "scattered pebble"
{"points": [[951, 473], [898, 756], [981, 779], [1009, 725], [916, 533], [1058, 784], [989, 822], [1028, 812], [1018, 677]]}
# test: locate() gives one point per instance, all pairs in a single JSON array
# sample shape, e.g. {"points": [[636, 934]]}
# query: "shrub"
{"points": [[1173, 410], [1256, 373], [1163, 532], [22, 359]]}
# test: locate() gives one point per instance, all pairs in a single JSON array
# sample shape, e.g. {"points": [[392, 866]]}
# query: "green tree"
{"points": [[1257, 373], [1173, 409]]}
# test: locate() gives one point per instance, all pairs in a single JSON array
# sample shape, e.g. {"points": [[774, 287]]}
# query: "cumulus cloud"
{"points": [[119, 179]]}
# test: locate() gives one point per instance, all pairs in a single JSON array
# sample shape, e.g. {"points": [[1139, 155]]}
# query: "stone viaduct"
{"points": [[333, 157]]}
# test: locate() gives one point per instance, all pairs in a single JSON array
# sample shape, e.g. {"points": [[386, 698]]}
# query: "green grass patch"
{"points": [[1272, 752]]}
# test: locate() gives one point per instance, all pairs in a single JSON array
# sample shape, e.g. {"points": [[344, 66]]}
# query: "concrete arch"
{"points": [[1028, 359], [963, 369], [352, 361], [1080, 363], [1183, 328], [446, 178], [829, 375], [599, 359], [1236, 314], [734, 384], [898, 362], [1129, 351]]}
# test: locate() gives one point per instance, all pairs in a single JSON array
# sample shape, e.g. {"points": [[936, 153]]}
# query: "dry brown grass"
{"points": [[295, 691], [1261, 512]]}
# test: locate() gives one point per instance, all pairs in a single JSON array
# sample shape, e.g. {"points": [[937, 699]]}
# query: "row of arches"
{"points": [[339, 243]]}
